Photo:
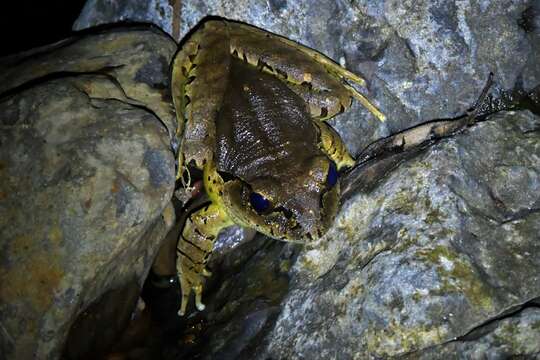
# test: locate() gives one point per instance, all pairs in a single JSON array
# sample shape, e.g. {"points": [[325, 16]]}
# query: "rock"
{"points": [[86, 177], [136, 63], [503, 338], [423, 59], [159, 12]]}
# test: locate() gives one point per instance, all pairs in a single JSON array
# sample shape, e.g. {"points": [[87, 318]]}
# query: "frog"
{"points": [[253, 110]]}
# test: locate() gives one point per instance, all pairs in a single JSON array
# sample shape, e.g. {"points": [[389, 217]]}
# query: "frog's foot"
{"points": [[365, 103], [191, 281], [191, 265]]}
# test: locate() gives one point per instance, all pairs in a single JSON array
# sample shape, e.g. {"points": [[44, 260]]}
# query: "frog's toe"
{"points": [[186, 291], [366, 103], [198, 297], [191, 282], [206, 273]]}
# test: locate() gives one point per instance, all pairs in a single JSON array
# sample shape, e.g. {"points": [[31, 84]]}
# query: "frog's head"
{"points": [[294, 205]]}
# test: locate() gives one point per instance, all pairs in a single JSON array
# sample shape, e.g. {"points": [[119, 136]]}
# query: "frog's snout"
{"points": [[309, 224]]}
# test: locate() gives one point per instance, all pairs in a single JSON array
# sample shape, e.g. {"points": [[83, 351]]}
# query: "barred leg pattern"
{"points": [[194, 249]]}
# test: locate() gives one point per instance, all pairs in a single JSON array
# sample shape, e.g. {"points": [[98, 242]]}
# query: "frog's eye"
{"points": [[332, 177], [259, 202]]}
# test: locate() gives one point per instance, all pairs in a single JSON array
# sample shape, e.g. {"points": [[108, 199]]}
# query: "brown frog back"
{"points": [[263, 128]]}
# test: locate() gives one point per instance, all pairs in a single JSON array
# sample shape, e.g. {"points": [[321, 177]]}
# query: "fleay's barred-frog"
{"points": [[252, 109]]}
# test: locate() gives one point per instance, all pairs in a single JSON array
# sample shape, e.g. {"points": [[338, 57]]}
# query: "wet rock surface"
{"points": [[99, 12], [86, 178], [505, 338], [134, 62]]}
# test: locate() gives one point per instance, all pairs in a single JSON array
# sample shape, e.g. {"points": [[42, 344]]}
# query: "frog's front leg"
{"points": [[330, 143], [321, 82]]}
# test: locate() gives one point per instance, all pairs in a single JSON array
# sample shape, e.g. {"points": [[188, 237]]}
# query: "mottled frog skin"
{"points": [[252, 108]]}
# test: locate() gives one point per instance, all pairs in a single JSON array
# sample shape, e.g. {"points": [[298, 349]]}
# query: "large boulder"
{"points": [[86, 179]]}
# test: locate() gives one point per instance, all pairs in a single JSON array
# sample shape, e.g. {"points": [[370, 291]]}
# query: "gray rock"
{"points": [[135, 60], [86, 179], [100, 12], [501, 339]]}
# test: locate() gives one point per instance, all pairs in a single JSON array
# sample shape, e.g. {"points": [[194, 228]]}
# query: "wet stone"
{"points": [[86, 178]]}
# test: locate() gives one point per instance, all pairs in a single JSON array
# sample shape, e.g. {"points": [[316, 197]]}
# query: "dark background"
{"points": [[27, 24]]}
